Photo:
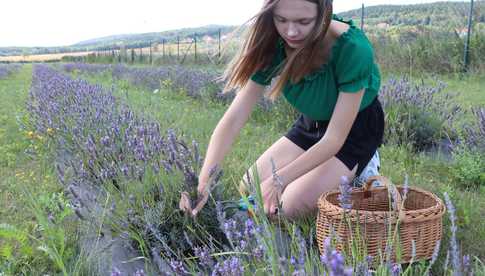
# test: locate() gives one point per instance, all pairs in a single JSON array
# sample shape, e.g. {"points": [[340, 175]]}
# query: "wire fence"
{"points": [[198, 49], [401, 42]]}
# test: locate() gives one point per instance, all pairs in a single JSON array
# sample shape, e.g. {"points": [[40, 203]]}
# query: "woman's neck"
{"points": [[333, 33]]}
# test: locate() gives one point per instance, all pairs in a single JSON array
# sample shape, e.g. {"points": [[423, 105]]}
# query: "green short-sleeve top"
{"points": [[350, 68]]}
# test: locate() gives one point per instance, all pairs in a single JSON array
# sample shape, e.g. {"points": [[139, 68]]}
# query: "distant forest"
{"points": [[444, 15], [440, 14]]}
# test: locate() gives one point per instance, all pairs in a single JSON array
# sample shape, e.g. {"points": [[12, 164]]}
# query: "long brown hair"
{"points": [[258, 49]]}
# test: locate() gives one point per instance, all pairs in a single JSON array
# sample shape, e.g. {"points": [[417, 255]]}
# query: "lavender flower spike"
{"points": [[345, 197], [455, 252]]}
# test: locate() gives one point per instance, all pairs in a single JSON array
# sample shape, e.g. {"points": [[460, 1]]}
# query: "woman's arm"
{"points": [[341, 122], [225, 133], [230, 125]]}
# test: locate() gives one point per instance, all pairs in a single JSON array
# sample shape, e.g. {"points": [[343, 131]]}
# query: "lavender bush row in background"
{"points": [[196, 83], [7, 69], [193, 81], [475, 132], [419, 114], [86, 67], [88, 119]]}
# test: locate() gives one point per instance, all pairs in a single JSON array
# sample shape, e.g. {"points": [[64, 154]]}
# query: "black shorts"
{"points": [[363, 140]]}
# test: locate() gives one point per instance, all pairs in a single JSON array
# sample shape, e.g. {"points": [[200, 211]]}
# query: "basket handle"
{"points": [[387, 184]]}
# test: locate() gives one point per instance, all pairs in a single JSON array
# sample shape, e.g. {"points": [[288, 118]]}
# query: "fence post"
{"points": [[195, 48], [466, 53], [219, 52], [362, 18], [178, 48], [150, 58]]}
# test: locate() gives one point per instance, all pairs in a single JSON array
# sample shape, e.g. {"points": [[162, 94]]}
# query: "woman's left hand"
{"points": [[271, 192]]}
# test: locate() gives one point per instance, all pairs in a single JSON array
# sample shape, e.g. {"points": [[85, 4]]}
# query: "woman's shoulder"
{"points": [[352, 43]]}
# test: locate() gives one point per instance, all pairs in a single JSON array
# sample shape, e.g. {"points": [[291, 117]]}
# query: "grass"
{"points": [[36, 238], [24, 162]]}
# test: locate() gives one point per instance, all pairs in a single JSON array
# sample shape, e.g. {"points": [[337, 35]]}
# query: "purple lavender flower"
{"points": [[229, 267], [395, 269], [105, 141], [8, 69], [436, 252], [369, 259], [345, 197], [249, 228], [363, 269], [455, 252], [405, 187], [230, 230], [203, 253], [178, 267], [258, 252], [302, 249], [115, 272], [334, 261], [139, 272]]}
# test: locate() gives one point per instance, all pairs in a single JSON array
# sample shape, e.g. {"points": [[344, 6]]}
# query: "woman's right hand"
{"points": [[203, 195]]}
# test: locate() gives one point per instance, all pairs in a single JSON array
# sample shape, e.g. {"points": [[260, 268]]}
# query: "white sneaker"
{"points": [[371, 169]]}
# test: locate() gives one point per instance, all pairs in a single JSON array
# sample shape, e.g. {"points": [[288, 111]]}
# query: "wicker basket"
{"points": [[373, 223]]}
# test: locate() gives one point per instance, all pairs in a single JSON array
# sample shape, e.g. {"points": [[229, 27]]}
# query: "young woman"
{"points": [[326, 70]]}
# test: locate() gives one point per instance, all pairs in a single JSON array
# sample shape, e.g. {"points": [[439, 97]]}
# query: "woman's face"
{"points": [[294, 20]]}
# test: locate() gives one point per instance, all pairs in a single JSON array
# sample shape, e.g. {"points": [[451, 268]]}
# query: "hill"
{"points": [[127, 40], [438, 15]]}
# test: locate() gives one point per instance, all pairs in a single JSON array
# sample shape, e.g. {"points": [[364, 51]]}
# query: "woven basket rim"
{"points": [[437, 207]]}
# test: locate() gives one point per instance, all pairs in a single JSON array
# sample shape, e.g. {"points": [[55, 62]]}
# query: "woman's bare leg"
{"points": [[282, 152], [300, 196]]}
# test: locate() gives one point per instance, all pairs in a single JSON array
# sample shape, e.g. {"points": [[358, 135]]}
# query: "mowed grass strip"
{"points": [[30, 195]]}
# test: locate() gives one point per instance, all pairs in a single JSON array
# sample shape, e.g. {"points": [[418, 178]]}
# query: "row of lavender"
{"points": [[100, 144], [102, 148], [194, 82], [7, 69]]}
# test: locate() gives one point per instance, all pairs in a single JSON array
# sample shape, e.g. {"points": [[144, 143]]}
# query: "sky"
{"points": [[65, 22]]}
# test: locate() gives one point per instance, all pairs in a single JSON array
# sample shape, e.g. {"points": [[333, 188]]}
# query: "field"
{"points": [[205, 48], [42, 58], [59, 144]]}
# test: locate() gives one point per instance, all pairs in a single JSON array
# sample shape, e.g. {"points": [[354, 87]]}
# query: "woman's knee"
{"points": [[248, 181], [294, 207]]}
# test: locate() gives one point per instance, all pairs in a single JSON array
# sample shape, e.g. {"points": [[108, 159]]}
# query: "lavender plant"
{"points": [[196, 83], [86, 68], [8, 69], [418, 114], [102, 148], [468, 153]]}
